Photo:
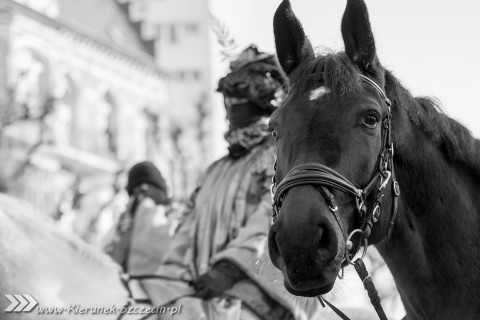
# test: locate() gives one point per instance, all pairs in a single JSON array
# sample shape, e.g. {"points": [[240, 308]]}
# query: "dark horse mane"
{"points": [[452, 138], [341, 76]]}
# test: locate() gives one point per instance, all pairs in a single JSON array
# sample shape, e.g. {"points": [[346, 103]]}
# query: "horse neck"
{"points": [[432, 251]]}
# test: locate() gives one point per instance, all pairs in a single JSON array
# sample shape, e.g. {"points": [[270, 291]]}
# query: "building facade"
{"points": [[181, 33], [82, 99]]}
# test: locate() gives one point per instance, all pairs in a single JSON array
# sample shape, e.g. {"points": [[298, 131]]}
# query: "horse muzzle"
{"points": [[305, 244]]}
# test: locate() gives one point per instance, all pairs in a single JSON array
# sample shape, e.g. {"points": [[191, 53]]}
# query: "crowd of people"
{"points": [[211, 262]]}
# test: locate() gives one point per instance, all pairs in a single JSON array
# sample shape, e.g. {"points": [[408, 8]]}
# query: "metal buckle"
{"points": [[359, 203], [376, 213], [383, 183], [396, 188], [349, 245]]}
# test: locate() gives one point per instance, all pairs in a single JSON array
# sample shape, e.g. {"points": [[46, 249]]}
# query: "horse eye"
{"points": [[274, 134], [370, 121]]}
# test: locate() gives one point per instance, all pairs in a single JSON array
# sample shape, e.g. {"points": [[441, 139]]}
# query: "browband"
{"points": [[377, 87]]}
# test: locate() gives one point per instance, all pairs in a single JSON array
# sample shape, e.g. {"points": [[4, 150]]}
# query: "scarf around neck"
{"points": [[242, 140]]}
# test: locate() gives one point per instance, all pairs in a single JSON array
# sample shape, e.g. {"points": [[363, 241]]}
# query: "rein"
{"points": [[325, 178]]}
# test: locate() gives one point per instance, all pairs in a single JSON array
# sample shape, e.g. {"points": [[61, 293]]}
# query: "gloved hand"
{"points": [[223, 276]]}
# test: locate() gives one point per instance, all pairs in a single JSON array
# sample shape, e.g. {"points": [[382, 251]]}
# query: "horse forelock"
{"points": [[329, 69]]}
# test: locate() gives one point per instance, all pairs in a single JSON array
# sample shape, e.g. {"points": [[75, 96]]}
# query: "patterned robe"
{"points": [[229, 220]]}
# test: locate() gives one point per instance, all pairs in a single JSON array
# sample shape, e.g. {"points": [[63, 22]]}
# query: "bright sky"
{"points": [[432, 46]]}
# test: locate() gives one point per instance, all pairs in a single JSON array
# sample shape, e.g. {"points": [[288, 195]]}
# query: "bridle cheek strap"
{"points": [[395, 196]]}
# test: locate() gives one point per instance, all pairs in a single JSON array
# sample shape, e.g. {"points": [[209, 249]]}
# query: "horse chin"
{"points": [[309, 287], [314, 292], [312, 282]]}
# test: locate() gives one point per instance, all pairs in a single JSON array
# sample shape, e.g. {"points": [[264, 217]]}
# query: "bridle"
{"points": [[325, 178]]}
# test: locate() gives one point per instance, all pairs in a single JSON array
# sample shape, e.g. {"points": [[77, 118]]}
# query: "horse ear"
{"points": [[357, 34], [290, 41]]}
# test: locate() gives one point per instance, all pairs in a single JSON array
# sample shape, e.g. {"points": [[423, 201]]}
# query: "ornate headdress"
{"points": [[255, 77]]}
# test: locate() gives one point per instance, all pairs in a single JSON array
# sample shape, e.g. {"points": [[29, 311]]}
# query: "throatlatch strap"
{"points": [[370, 287], [334, 309]]}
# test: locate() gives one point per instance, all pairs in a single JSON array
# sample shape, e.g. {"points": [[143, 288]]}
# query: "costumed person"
{"points": [[209, 270], [143, 232]]}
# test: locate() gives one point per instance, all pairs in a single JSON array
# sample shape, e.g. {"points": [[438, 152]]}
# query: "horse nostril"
{"points": [[326, 243]]}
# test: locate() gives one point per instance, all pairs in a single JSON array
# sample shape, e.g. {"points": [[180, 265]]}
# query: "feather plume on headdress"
{"points": [[224, 39], [254, 75]]}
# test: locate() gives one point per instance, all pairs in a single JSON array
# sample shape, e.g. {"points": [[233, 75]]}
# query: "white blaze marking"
{"points": [[317, 93]]}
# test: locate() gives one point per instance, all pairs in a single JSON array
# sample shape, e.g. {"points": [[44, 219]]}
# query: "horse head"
{"points": [[334, 152]]}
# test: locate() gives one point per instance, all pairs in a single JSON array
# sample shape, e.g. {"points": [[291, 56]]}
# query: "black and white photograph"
{"points": [[239, 160]]}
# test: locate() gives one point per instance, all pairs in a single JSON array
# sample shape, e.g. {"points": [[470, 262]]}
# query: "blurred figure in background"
{"points": [[209, 268], [143, 232]]}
